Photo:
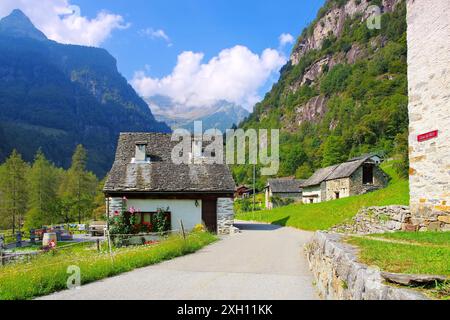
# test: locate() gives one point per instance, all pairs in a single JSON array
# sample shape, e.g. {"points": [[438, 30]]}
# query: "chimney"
{"points": [[140, 154]]}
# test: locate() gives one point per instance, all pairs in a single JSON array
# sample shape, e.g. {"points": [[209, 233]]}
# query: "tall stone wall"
{"points": [[225, 215], [429, 110]]}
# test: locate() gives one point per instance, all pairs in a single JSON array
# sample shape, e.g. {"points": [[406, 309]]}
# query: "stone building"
{"points": [[356, 176], [283, 188], [429, 112], [144, 176]]}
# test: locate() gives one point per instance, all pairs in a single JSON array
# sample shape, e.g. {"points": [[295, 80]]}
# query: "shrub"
{"points": [[281, 202], [336, 79]]}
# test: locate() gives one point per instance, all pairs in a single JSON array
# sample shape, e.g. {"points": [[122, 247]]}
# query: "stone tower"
{"points": [[429, 112]]}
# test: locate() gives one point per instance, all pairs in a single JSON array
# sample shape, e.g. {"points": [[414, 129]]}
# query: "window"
{"points": [[146, 218], [368, 174]]}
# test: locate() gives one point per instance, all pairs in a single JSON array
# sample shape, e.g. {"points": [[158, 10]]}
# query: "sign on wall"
{"points": [[427, 136]]}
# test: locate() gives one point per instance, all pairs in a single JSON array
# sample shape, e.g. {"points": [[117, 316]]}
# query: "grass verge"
{"points": [[418, 253], [322, 216], [48, 273]]}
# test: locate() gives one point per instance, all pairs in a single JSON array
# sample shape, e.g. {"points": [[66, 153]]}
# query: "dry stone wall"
{"points": [[339, 276], [378, 220]]}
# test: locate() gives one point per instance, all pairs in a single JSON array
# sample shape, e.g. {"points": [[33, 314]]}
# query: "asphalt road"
{"points": [[263, 262]]}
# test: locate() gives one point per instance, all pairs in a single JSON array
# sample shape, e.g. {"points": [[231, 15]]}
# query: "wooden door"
{"points": [[209, 214]]}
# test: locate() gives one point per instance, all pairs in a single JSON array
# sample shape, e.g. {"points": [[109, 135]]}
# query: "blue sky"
{"points": [[194, 51], [206, 26]]}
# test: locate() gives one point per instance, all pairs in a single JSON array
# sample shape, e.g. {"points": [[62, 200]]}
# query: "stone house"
{"points": [[284, 188], [356, 176], [143, 173]]}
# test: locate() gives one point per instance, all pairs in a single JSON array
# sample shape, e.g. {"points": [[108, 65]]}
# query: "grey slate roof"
{"points": [[285, 185], [161, 175], [319, 176], [338, 171]]}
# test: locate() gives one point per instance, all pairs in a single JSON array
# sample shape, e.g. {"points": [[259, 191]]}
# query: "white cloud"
{"points": [[235, 75], [62, 22], [156, 34], [285, 39]]}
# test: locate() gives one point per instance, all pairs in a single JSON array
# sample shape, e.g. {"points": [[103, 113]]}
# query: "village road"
{"points": [[262, 262]]}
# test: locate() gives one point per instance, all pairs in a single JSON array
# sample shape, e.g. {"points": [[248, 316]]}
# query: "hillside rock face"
{"points": [[312, 111], [55, 96], [333, 22]]}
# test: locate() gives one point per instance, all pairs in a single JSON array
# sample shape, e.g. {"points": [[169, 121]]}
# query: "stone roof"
{"points": [[285, 185], [319, 176], [338, 171], [160, 174]]}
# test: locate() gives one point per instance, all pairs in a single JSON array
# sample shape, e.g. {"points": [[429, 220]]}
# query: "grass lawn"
{"points": [[417, 253], [48, 272], [322, 216]]}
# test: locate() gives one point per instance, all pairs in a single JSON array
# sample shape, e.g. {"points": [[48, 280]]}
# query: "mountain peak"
{"points": [[18, 25]]}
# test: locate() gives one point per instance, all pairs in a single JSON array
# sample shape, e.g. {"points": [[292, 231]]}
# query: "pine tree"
{"points": [[333, 151], [13, 188], [304, 171], [78, 188], [43, 184]]}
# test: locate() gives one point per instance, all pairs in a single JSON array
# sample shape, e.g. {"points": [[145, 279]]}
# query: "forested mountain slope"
{"points": [[343, 92], [55, 96]]}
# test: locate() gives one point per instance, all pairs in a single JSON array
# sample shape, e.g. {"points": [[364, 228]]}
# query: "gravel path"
{"points": [[263, 262]]}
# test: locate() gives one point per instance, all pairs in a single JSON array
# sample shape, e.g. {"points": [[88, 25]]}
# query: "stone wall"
{"points": [[378, 220], [429, 110], [340, 277], [115, 204], [225, 216], [388, 219], [339, 185], [380, 180]]}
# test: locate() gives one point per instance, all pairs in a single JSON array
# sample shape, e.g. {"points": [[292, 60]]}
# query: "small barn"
{"points": [[283, 188], [143, 173], [356, 176]]}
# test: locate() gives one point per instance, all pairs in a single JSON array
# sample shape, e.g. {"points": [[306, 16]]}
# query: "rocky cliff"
{"points": [[344, 90], [331, 21]]}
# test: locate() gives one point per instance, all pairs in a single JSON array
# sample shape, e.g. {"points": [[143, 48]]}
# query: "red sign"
{"points": [[427, 136]]}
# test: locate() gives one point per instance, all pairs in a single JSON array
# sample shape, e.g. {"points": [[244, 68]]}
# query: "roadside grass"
{"points": [[425, 253], [48, 273], [425, 238], [322, 216]]}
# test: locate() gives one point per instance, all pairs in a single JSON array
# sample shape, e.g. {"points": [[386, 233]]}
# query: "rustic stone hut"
{"points": [[356, 176], [143, 173], [284, 188]]}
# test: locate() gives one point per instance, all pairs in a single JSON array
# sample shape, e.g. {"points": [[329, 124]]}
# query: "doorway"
{"points": [[368, 174], [209, 214]]}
